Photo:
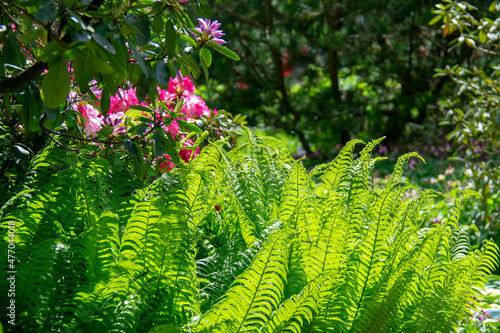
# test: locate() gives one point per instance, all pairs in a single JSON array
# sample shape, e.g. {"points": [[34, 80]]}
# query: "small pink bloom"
{"points": [[93, 119], [164, 165], [211, 31], [185, 154], [195, 106], [122, 101], [241, 85], [177, 89], [173, 128]]}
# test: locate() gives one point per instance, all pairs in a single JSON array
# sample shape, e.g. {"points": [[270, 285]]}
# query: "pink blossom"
{"points": [[195, 106], [123, 100], [116, 121], [211, 31], [241, 85], [185, 154], [95, 89], [173, 128], [166, 166], [177, 89], [93, 119]]}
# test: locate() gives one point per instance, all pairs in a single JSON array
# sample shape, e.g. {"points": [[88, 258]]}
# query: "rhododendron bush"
{"points": [[168, 123], [104, 77]]}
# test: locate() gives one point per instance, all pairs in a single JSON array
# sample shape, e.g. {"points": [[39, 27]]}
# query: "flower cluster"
{"points": [[178, 97], [210, 31]]}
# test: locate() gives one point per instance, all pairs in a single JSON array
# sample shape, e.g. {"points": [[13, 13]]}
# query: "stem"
{"points": [[11, 84]]}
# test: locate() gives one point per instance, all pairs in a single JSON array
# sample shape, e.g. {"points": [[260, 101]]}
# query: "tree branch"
{"points": [[11, 84]]}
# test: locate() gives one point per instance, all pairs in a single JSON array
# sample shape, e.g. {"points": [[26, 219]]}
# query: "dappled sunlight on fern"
{"points": [[245, 240]]}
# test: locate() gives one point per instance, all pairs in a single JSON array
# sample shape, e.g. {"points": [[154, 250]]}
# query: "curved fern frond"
{"points": [[255, 294]]}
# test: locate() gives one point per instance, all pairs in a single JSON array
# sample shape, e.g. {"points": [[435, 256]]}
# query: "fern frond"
{"points": [[335, 171], [255, 294], [295, 193]]}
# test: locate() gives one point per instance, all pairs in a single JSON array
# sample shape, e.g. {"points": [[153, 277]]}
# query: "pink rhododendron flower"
{"points": [[123, 100], [173, 128], [165, 166], [241, 85], [93, 119], [195, 106], [185, 154], [210, 31], [177, 89], [93, 87]]}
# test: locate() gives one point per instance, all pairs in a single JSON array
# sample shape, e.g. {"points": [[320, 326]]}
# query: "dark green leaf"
{"points": [[83, 71], [47, 13], [162, 75], [146, 67], [105, 101], [143, 33], [170, 39], [223, 50], [131, 147], [141, 89], [76, 19], [11, 49], [51, 114], [158, 143], [157, 7], [92, 13], [169, 145], [23, 149], [192, 127], [80, 36], [103, 43], [140, 108], [55, 84], [105, 131], [157, 23], [30, 36], [204, 10], [139, 167]]}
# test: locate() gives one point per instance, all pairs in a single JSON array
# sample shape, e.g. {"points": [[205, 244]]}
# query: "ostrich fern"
{"points": [[241, 241]]}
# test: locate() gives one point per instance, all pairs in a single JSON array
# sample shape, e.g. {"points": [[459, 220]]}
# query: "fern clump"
{"points": [[244, 240]]}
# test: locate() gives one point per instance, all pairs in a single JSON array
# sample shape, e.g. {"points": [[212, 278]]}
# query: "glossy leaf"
{"points": [[170, 39], [191, 126], [55, 84], [131, 147], [223, 50], [46, 13], [162, 75], [206, 56], [103, 43]]}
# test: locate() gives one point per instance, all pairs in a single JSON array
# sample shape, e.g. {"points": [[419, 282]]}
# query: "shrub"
{"points": [[244, 240]]}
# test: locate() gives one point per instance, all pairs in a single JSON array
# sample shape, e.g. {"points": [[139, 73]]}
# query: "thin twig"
{"points": [[82, 139], [63, 146]]}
